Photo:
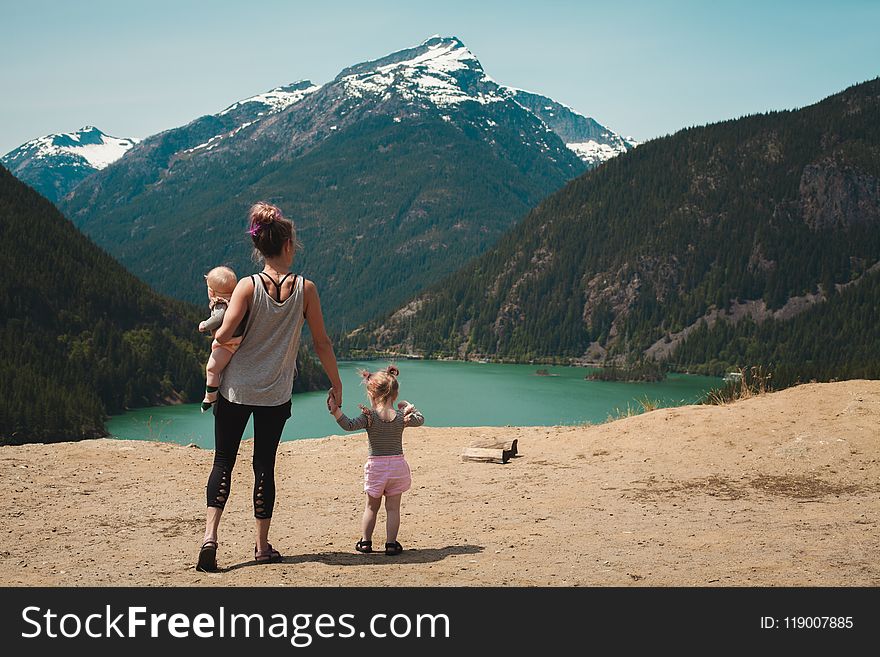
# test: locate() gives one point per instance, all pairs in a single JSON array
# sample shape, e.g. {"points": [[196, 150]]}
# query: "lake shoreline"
{"points": [[450, 394], [550, 361]]}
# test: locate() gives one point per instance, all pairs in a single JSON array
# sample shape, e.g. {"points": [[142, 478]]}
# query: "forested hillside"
{"points": [[80, 337], [750, 220]]}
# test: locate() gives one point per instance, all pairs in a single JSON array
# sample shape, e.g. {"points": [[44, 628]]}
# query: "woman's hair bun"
{"points": [[392, 370], [264, 213]]}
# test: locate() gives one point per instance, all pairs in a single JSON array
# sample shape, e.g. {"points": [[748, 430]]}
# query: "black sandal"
{"points": [[364, 546], [393, 548], [207, 557], [269, 556], [206, 403]]}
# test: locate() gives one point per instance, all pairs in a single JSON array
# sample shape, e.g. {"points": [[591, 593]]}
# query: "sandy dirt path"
{"points": [[781, 490]]}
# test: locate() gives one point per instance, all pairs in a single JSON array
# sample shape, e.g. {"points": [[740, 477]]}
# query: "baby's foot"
{"points": [[210, 399]]}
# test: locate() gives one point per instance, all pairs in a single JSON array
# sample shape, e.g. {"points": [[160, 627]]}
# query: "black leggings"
{"points": [[230, 421]]}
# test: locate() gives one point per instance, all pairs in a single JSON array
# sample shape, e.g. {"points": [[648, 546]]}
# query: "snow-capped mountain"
{"points": [[55, 164], [439, 75], [440, 70], [420, 149], [584, 136], [443, 72]]}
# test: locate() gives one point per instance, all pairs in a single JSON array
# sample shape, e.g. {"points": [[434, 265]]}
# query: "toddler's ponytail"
{"points": [[381, 385]]}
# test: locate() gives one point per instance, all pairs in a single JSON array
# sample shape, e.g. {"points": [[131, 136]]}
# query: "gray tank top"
{"points": [[262, 370]]}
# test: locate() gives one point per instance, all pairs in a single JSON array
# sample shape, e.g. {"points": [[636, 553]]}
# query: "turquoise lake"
{"points": [[449, 393]]}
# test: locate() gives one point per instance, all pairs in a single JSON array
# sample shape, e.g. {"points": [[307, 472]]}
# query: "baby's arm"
{"points": [[215, 321]]}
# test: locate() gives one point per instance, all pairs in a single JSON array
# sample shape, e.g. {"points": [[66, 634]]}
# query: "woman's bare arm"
{"points": [[238, 306], [320, 339]]}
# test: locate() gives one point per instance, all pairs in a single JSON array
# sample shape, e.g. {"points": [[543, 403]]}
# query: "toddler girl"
{"points": [[386, 471], [221, 283]]}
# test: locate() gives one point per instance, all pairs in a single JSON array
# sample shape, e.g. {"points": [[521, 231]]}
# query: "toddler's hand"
{"points": [[202, 328], [405, 406]]}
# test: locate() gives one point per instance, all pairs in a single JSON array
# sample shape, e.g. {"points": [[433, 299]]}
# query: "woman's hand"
{"points": [[405, 406], [332, 406], [320, 340]]}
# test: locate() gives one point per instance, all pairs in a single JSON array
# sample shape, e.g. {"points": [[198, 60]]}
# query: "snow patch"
{"points": [[275, 100], [212, 141], [593, 152]]}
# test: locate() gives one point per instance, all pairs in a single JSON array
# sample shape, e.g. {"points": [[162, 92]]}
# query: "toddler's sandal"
{"points": [[269, 556], [393, 548], [364, 546]]}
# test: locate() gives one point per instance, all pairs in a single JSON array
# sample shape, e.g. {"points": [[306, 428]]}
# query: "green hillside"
{"points": [[80, 337], [383, 208], [754, 218]]}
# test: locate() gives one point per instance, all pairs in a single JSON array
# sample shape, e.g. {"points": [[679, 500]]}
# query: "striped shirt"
{"points": [[386, 437]]}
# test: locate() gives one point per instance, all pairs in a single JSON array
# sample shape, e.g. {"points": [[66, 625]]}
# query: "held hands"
{"points": [[332, 405]]}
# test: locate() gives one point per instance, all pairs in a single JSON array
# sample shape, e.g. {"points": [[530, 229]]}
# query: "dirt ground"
{"points": [[781, 490]]}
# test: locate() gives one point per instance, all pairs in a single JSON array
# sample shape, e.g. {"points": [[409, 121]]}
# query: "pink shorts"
{"points": [[386, 475]]}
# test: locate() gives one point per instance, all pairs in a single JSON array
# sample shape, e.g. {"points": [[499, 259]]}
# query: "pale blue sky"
{"points": [[644, 69]]}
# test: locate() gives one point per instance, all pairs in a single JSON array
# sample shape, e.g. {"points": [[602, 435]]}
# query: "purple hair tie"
{"points": [[254, 230]]}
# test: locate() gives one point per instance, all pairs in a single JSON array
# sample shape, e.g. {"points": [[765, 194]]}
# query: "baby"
{"points": [[221, 283]]}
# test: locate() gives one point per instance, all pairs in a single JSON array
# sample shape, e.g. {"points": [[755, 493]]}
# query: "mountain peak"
{"points": [[96, 147], [56, 163], [442, 40], [279, 98], [87, 135], [440, 70], [436, 51]]}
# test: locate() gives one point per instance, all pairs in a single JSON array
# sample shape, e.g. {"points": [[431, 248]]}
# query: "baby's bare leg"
{"points": [[216, 364]]}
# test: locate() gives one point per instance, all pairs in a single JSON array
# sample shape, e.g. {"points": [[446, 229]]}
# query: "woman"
{"points": [[259, 380]]}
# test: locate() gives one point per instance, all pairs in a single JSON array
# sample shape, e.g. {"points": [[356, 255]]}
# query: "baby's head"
{"points": [[381, 385], [221, 282]]}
